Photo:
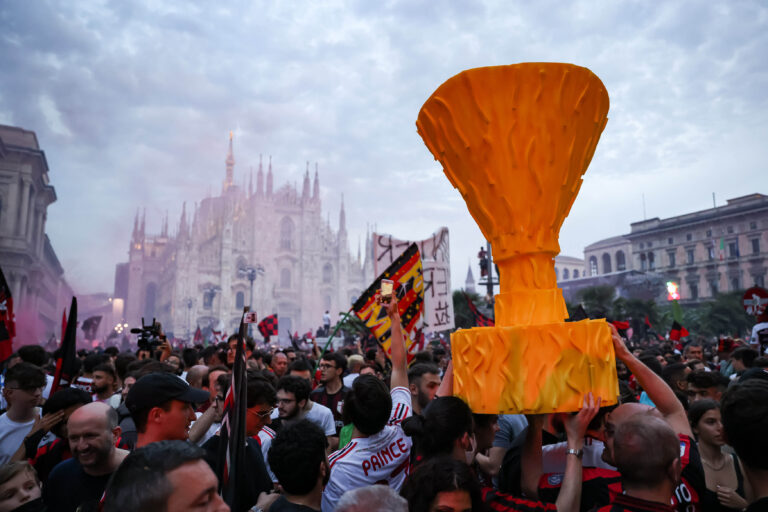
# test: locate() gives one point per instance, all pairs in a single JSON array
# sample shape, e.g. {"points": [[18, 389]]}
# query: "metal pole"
{"points": [[327, 343], [489, 266], [251, 278]]}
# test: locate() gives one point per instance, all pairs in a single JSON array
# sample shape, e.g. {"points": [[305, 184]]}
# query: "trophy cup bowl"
{"points": [[516, 140]]}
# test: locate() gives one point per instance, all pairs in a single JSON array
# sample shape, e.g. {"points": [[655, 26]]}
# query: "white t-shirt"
{"points": [[350, 379], [383, 458], [11, 436], [264, 438], [319, 414]]}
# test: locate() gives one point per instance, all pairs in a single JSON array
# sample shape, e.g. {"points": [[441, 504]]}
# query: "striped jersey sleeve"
{"points": [[401, 405]]}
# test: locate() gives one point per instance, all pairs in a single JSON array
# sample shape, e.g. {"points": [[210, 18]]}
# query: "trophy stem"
{"points": [[529, 293]]}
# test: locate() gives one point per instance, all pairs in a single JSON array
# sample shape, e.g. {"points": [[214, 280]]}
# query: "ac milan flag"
{"points": [[268, 327], [406, 272], [65, 362], [232, 443], [677, 331], [7, 322], [480, 319]]}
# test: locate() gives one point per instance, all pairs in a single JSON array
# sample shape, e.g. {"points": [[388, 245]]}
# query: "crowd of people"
{"points": [[355, 429]]}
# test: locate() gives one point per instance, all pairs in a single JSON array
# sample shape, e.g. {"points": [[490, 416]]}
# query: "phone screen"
{"points": [[386, 287]]}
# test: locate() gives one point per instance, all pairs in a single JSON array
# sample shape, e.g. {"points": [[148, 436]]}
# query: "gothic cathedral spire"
{"points": [[305, 189], [230, 161], [316, 186], [269, 177], [260, 179]]}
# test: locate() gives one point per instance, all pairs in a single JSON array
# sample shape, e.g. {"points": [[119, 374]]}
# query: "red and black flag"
{"points": [[66, 364], [406, 272], [677, 331], [232, 441], [480, 319], [198, 335], [7, 322], [268, 327]]}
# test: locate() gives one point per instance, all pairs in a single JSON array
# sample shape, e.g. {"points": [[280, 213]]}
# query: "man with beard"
{"points": [[423, 381], [300, 464], [92, 432], [293, 404], [103, 385]]}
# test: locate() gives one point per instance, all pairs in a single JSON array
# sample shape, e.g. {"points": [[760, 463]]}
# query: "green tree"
{"points": [[598, 300]]}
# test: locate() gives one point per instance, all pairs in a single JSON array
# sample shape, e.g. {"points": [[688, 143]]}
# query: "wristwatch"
{"points": [[577, 453]]}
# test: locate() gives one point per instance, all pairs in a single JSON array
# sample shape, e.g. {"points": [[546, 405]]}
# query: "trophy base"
{"points": [[534, 369]]}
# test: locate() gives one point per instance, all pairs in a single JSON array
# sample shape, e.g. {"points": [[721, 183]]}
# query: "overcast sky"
{"points": [[133, 101]]}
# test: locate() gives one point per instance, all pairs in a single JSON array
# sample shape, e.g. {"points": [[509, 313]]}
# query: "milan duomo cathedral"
{"points": [[274, 241]]}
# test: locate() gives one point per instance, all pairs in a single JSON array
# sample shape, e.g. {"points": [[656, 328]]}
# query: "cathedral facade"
{"points": [[269, 244]]}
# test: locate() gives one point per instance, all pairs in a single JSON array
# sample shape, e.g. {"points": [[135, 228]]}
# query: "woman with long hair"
{"points": [[724, 477]]}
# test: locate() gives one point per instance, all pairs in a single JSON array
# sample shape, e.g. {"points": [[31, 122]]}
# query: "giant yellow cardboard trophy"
{"points": [[516, 140]]}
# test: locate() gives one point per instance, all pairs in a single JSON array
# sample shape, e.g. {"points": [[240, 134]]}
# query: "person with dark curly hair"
{"points": [[443, 483]]}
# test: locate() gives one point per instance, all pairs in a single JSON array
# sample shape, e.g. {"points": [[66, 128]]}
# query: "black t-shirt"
{"points": [[758, 506], [624, 503], [258, 479], [283, 505], [334, 402], [69, 487]]}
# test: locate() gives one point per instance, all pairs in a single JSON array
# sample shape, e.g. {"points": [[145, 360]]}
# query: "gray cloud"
{"points": [[132, 102]]}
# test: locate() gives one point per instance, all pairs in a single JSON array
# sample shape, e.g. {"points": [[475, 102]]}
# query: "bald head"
{"points": [[195, 375], [94, 413], [646, 452]]}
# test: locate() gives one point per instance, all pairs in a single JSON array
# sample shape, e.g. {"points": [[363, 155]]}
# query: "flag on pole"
{"points": [[232, 442], [7, 321], [65, 363], [198, 335], [268, 327], [677, 331], [90, 326], [406, 272], [480, 319]]}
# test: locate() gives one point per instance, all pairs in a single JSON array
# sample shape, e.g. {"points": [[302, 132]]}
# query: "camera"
{"points": [[150, 336]]}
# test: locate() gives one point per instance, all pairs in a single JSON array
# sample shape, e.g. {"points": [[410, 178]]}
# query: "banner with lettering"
{"points": [[435, 258], [406, 272]]}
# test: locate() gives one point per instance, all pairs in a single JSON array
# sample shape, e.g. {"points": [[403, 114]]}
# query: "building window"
{"points": [[755, 246], [557, 274], [753, 225], [239, 300], [621, 262], [671, 255], [643, 262], [651, 261], [592, 266], [694, 291], [760, 281], [670, 240], [150, 298], [734, 284], [606, 263], [713, 286], [575, 273], [650, 244], [709, 233], [642, 246], [689, 256], [328, 273], [733, 250], [208, 299], [286, 234], [730, 229], [711, 253], [285, 278], [689, 237], [565, 273]]}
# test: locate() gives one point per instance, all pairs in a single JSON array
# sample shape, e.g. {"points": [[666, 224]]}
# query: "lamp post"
{"points": [[189, 302], [250, 272]]}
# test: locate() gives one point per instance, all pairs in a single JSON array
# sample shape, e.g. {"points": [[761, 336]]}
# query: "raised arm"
{"points": [[399, 376], [575, 429], [658, 390]]}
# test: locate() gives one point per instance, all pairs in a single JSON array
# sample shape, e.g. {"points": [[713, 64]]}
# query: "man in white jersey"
{"points": [[379, 452]]}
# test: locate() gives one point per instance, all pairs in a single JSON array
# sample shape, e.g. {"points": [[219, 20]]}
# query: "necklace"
{"points": [[713, 467]]}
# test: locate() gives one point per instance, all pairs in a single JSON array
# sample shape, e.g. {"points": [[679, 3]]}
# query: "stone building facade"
{"points": [[721, 249], [34, 273], [568, 267], [199, 275]]}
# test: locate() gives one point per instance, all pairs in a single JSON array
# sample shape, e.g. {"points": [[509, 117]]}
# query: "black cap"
{"points": [[155, 389]]}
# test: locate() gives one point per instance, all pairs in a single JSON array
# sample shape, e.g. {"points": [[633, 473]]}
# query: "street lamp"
{"points": [[250, 272], [189, 301]]}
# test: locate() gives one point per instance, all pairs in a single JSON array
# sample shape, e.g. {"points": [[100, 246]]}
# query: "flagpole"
{"points": [[335, 330]]}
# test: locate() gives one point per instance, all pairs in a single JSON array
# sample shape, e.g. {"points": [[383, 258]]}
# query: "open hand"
{"points": [[622, 352], [576, 424]]}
